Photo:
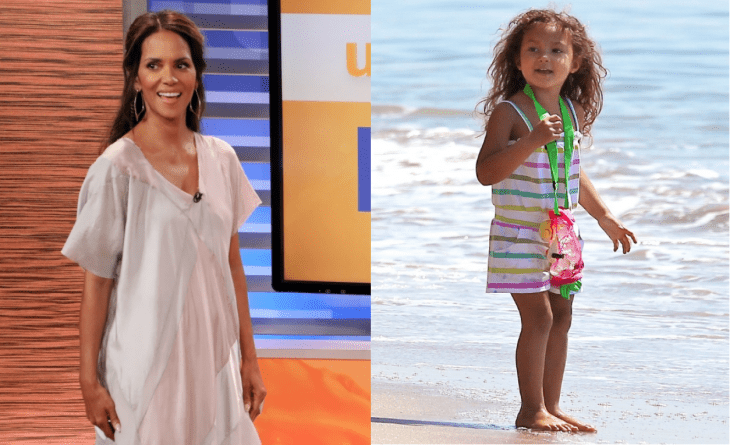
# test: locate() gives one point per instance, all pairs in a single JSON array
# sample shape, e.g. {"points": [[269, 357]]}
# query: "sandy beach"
{"points": [[407, 413], [412, 413]]}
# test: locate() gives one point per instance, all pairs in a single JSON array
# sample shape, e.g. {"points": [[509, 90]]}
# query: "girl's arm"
{"points": [[94, 308], [497, 160], [254, 391], [592, 202]]}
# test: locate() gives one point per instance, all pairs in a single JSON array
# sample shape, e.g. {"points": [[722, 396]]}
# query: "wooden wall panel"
{"points": [[60, 80]]}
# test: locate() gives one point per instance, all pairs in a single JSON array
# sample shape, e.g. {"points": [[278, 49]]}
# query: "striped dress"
{"points": [[517, 253]]}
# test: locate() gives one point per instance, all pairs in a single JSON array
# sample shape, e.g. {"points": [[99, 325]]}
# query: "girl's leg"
{"points": [[537, 319], [555, 356]]}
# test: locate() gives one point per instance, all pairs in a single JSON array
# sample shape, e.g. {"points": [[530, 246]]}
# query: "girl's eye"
{"points": [[151, 66], [556, 50]]}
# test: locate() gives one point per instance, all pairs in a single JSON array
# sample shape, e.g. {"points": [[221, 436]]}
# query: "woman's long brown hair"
{"points": [[144, 26], [583, 87]]}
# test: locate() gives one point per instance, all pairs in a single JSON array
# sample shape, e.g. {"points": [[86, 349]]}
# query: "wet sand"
{"points": [[410, 413], [406, 413]]}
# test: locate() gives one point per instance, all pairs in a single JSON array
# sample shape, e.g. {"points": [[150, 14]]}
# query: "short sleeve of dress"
{"points": [[245, 199], [96, 240]]}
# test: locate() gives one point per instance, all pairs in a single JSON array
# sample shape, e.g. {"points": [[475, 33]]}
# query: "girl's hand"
{"points": [[100, 409], [254, 391], [548, 130], [617, 232]]}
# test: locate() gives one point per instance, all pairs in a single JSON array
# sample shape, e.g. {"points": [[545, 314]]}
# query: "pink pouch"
{"points": [[564, 251]]}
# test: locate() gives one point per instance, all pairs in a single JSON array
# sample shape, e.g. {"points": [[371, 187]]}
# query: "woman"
{"points": [[167, 351]]}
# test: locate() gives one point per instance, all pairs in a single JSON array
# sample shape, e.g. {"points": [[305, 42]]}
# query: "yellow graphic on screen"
{"points": [[326, 107], [352, 61]]}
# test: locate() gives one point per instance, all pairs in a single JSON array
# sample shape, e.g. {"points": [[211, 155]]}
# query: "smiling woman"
{"points": [[166, 76], [167, 351], [166, 82], [186, 42]]}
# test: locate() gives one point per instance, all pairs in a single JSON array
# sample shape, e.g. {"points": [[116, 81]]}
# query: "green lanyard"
{"points": [[552, 147]]}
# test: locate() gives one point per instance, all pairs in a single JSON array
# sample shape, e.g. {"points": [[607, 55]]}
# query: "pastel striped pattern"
{"points": [[517, 253]]}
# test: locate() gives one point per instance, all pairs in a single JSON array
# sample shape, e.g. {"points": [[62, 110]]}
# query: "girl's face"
{"points": [[546, 56], [166, 75]]}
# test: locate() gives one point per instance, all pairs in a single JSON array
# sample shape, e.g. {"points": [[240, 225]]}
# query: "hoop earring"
{"points": [[190, 106], [137, 114]]}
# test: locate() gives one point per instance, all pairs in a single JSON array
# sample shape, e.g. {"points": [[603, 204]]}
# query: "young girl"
{"points": [[544, 62]]}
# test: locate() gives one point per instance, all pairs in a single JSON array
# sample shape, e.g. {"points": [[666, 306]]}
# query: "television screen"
{"points": [[319, 55]]}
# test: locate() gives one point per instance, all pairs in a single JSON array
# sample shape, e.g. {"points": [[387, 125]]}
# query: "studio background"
{"points": [[60, 82]]}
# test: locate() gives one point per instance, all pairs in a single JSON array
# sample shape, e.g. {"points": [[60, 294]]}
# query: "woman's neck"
{"points": [[156, 133]]}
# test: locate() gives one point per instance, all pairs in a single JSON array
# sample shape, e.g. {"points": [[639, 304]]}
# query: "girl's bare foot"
{"points": [[543, 420], [582, 426]]}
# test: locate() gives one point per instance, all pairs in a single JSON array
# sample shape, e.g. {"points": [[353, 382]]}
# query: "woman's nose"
{"points": [[167, 76]]}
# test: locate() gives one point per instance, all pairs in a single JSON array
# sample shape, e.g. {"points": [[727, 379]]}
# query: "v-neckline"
{"points": [[197, 158]]}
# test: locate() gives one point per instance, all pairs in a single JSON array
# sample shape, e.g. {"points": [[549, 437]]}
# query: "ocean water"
{"points": [[648, 358]]}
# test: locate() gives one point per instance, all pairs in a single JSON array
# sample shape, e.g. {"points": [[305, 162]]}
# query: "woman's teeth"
{"points": [[169, 94]]}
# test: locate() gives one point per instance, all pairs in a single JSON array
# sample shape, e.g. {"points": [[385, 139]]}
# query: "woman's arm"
{"points": [[594, 205], [94, 308], [254, 391]]}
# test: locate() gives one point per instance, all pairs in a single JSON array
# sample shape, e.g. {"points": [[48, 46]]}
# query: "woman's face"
{"points": [[166, 76]]}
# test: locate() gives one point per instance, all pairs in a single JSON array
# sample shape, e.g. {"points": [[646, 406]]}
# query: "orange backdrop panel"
{"points": [[311, 401], [61, 75], [325, 7], [321, 215]]}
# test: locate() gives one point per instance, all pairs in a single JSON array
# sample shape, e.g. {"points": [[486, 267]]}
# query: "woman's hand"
{"points": [[254, 391], [617, 232], [100, 408]]}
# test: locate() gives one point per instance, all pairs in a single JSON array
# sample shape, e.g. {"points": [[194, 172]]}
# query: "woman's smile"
{"points": [[166, 76], [169, 97]]}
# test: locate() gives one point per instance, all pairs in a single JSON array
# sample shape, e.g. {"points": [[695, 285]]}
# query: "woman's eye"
{"points": [[183, 65], [151, 66]]}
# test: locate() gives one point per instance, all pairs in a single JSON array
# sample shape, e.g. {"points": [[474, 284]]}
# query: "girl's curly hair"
{"points": [[583, 86]]}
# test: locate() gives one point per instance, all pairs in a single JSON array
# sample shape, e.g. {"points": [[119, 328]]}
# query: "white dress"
{"points": [[170, 353]]}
